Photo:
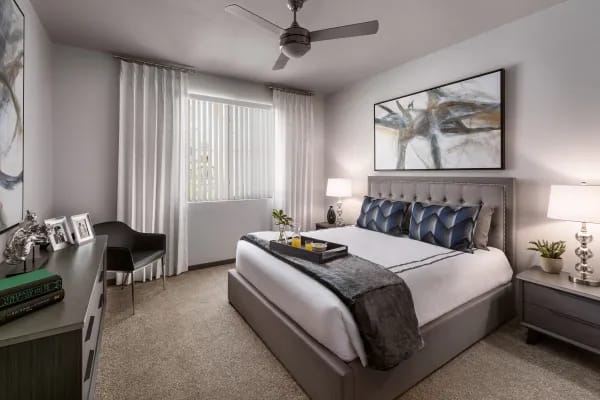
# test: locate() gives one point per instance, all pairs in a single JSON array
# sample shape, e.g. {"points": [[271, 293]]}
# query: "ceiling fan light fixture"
{"points": [[295, 41], [295, 50]]}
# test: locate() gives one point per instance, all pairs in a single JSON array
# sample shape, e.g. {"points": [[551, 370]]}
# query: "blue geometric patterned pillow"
{"points": [[382, 215], [443, 225]]}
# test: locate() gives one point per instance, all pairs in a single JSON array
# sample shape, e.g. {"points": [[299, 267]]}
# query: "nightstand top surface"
{"points": [[328, 225], [559, 282]]}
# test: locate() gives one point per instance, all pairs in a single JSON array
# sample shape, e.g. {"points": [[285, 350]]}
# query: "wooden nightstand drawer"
{"points": [[567, 326], [564, 303]]}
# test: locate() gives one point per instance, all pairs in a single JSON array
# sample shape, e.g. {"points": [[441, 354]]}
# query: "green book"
{"points": [[24, 287]]}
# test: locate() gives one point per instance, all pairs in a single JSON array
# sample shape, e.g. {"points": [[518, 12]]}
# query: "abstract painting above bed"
{"points": [[459, 125], [11, 114]]}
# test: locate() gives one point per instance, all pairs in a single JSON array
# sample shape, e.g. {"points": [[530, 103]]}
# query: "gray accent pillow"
{"points": [[482, 228]]}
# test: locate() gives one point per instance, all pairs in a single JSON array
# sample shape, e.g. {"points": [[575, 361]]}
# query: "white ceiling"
{"points": [[200, 34]]}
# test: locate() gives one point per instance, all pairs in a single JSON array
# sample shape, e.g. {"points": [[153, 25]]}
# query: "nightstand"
{"points": [[327, 225], [549, 304]]}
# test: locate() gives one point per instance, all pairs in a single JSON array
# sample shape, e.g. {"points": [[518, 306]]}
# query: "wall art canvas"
{"points": [[459, 125], [12, 28]]}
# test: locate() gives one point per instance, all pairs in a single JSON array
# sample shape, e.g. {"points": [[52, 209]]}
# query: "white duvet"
{"points": [[440, 280]]}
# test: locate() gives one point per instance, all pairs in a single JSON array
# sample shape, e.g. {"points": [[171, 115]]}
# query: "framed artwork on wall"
{"points": [[456, 126], [12, 55]]}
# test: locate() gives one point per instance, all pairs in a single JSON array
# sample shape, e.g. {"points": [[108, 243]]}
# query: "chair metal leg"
{"points": [[164, 272], [132, 294], [123, 280]]}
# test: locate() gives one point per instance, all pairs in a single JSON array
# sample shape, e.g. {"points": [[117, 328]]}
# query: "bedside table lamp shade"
{"points": [[578, 203], [340, 188]]}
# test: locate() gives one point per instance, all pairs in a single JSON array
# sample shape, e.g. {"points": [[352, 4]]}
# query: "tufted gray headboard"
{"points": [[493, 192]]}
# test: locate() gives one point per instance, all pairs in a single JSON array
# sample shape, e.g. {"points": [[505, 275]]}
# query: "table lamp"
{"points": [[340, 188], [579, 203]]}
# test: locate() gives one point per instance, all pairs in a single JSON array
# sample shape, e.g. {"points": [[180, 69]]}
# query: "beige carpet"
{"points": [[188, 343]]}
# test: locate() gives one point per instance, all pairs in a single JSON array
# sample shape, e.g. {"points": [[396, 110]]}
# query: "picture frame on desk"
{"points": [[83, 231], [60, 233]]}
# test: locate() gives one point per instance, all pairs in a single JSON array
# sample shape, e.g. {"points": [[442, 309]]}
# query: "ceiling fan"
{"points": [[295, 41]]}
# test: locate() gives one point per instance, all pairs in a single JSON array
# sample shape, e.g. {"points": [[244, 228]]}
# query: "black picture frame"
{"points": [[502, 125], [15, 224]]}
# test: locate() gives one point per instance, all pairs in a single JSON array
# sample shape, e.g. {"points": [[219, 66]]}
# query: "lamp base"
{"points": [[584, 281], [339, 220]]}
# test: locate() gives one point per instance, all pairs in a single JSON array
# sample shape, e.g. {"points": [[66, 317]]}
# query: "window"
{"points": [[230, 150]]}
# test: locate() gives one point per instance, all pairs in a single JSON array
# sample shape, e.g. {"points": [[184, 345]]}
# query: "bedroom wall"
{"points": [[552, 112], [38, 117], [86, 128]]}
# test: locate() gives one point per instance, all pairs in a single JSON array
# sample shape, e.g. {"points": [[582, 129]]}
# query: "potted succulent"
{"points": [[282, 220], [550, 253]]}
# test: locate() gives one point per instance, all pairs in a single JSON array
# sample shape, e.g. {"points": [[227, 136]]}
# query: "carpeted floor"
{"points": [[188, 343]]}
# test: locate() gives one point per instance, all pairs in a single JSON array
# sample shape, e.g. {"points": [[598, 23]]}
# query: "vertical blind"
{"points": [[230, 151]]}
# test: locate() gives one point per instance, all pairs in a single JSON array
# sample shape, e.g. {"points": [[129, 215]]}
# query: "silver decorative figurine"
{"points": [[22, 241]]}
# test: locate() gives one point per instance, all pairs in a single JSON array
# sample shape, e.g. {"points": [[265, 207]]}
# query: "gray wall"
{"points": [[38, 117], [552, 111], [86, 127]]}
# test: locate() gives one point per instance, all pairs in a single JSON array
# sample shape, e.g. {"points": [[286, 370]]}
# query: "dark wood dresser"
{"points": [[52, 353], [549, 304]]}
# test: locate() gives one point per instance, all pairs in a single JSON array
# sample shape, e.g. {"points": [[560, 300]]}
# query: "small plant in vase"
{"points": [[550, 254], [282, 220]]}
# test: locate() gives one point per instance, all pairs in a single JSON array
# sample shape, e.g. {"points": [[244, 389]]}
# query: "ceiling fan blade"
{"points": [[281, 62], [257, 19], [360, 29]]}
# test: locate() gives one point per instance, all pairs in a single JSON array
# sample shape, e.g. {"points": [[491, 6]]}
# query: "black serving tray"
{"points": [[332, 252]]}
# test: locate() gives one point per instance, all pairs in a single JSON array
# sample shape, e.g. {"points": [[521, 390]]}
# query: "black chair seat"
{"points": [[145, 257], [129, 250]]}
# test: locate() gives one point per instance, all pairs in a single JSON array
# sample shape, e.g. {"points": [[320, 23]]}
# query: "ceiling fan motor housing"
{"points": [[295, 41], [295, 5]]}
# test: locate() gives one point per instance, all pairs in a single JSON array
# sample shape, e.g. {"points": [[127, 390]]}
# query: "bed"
{"points": [[312, 333]]}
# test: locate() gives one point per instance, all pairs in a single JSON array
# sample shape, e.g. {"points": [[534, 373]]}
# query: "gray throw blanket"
{"points": [[379, 300]]}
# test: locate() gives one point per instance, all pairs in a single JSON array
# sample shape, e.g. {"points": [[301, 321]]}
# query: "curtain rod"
{"points": [[156, 64], [183, 68], [290, 90]]}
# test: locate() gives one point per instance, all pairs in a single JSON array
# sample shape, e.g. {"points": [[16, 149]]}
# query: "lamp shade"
{"points": [[339, 187], [579, 203]]}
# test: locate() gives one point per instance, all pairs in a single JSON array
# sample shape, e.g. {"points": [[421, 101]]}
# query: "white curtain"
{"points": [[152, 162], [294, 140]]}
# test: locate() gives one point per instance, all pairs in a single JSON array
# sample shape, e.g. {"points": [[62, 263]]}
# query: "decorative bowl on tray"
{"points": [[319, 247]]}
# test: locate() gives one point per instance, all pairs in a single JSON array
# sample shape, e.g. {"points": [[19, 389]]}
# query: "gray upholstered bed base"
{"points": [[323, 375]]}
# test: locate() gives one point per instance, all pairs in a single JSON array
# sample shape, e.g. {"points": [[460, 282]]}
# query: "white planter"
{"points": [[551, 265]]}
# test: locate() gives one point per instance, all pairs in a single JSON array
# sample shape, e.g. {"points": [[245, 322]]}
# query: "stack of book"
{"points": [[22, 294]]}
